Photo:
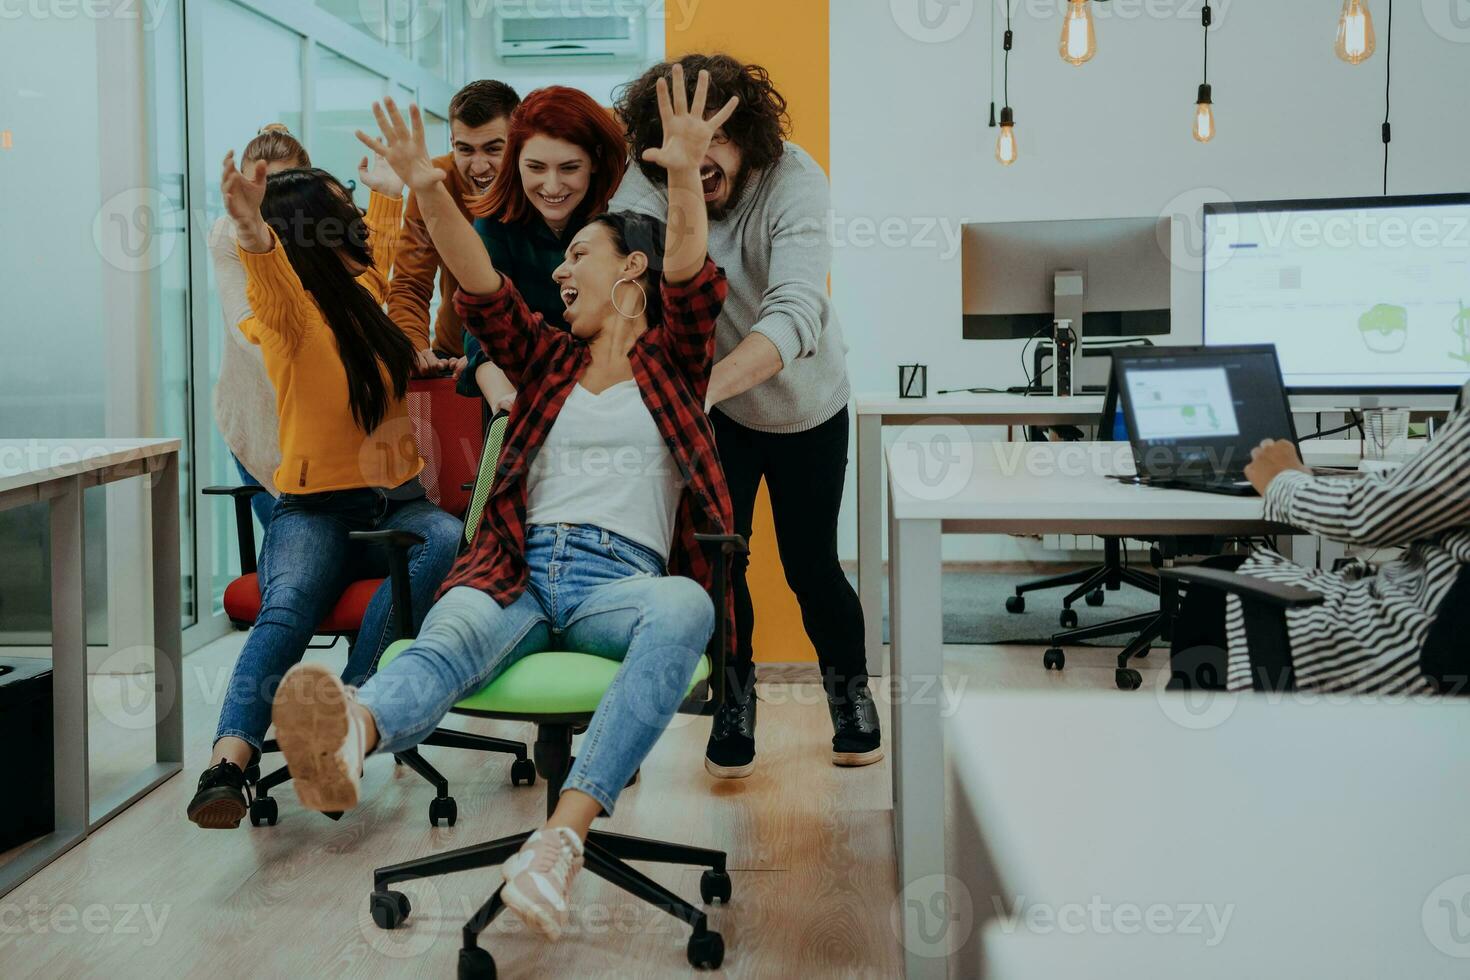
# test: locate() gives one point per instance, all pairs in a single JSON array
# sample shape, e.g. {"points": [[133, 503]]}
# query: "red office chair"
{"points": [[449, 432]]}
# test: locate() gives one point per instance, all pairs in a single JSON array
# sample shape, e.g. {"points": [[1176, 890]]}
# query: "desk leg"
{"points": [[69, 657], [168, 635], [917, 738], [870, 536]]}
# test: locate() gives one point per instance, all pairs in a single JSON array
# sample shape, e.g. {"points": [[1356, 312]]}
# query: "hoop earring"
{"points": [[641, 292]]}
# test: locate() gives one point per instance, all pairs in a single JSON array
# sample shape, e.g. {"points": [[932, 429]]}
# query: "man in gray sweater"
{"points": [[778, 393]]}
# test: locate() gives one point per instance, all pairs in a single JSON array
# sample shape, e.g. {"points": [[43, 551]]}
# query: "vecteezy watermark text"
{"points": [[1098, 917]]}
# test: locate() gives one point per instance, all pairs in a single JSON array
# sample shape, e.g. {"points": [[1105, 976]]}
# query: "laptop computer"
{"points": [[1194, 414]]}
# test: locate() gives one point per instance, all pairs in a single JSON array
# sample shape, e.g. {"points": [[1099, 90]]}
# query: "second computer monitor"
{"points": [[1010, 269], [1366, 298]]}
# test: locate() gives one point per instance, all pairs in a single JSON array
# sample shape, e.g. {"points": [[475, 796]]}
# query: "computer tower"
{"points": [[27, 774]]}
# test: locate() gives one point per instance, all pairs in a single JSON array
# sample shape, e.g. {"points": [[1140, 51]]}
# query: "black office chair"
{"points": [[1093, 582], [559, 691], [1263, 605]]}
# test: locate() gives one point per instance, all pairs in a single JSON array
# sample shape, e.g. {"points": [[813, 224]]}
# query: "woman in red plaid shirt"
{"points": [[587, 544]]}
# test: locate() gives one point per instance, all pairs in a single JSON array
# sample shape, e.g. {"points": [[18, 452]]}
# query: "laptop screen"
{"points": [[1196, 413]]}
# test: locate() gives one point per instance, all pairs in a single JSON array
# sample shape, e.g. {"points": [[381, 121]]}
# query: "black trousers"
{"points": [[804, 472]]}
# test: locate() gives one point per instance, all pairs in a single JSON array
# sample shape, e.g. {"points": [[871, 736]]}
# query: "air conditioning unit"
{"points": [[568, 29]]}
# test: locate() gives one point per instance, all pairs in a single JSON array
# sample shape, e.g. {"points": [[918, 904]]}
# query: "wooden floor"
{"points": [[810, 849]]}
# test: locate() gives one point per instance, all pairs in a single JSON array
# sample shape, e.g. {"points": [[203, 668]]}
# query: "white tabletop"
{"points": [[28, 462], [1330, 830], [1037, 487], [1084, 408]]}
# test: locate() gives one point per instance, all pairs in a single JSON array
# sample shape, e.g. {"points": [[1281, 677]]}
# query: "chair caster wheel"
{"points": [[443, 808], [389, 908], [263, 811], [1015, 603], [522, 772], [714, 886], [1069, 619], [1095, 597], [1128, 679], [1054, 659], [476, 964], [706, 950]]}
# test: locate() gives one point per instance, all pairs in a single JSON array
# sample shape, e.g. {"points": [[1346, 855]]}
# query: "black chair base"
{"points": [[1146, 627], [263, 808], [1091, 583], [605, 855]]}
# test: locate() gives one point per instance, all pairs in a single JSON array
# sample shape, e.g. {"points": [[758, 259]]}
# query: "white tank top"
{"points": [[605, 464]]}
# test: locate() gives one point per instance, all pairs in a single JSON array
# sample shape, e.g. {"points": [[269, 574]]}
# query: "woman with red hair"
{"points": [[564, 158]]}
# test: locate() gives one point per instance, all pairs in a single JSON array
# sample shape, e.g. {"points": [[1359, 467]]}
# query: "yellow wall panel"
{"points": [[790, 39]]}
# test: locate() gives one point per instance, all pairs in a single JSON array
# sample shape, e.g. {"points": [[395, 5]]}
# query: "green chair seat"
{"points": [[550, 683]]}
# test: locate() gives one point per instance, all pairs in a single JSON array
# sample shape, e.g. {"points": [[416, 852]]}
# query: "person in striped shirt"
{"points": [[1394, 627]]}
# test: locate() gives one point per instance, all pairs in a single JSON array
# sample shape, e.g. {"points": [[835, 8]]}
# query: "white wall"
{"points": [[598, 77], [1108, 139]]}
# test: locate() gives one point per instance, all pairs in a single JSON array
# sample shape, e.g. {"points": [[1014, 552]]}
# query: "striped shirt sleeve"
{"points": [[1428, 495]]}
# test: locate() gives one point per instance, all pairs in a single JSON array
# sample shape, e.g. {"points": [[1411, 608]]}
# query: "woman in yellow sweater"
{"points": [[316, 277]]}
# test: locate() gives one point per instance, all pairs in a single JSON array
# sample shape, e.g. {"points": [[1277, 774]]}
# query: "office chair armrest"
{"points": [[731, 544], [1264, 606], [728, 544], [397, 542], [244, 526], [1247, 587]]}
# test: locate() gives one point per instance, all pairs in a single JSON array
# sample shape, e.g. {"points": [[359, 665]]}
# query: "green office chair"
{"points": [[559, 691]]}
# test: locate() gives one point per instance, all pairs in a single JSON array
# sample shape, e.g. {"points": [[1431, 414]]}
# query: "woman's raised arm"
{"points": [[406, 150]]}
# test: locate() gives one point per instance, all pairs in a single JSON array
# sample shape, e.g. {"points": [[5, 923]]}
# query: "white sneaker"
{"points": [[320, 736], [539, 876]]}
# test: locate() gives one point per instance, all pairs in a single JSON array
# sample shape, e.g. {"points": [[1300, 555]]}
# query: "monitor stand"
{"points": [[1069, 287]]}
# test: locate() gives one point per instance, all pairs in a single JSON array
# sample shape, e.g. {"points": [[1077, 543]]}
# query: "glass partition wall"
{"points": [[329, 62]]}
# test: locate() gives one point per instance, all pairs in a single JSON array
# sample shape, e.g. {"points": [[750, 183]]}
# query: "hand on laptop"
{"points": [[1270, 459]]}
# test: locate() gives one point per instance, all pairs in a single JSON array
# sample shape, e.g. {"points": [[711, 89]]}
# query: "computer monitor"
{"points": [[1367, 300], [1015, 275]]}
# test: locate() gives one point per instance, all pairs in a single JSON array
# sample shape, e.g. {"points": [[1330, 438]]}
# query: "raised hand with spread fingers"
{"points": [[405, 149]]}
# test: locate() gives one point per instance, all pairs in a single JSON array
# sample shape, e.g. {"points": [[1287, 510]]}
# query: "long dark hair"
{"points": [[635, 232], [319, 226]]}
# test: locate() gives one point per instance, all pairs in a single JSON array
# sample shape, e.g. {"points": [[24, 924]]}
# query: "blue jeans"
{"points": [[262, 503], [590, 591], [305, 564]]}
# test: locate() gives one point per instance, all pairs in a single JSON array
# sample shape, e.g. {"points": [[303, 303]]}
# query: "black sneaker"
{"points": [[221, 799], [856, 739], [730, 753]]}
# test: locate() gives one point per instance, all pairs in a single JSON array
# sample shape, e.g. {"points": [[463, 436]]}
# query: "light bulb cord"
{"points": [[1006, 63], [1387, 92], [1205, 20]]}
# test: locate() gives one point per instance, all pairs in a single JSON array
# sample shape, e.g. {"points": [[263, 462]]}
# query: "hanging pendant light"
{"points": [[1204, 116], [1204, 107], [1079, 37], [1355, 37], [1005, 144], [1006, 149]]}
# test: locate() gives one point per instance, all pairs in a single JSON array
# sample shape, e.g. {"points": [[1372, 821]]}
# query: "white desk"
{"points": [[876, 411], [56, 471], [996, 488], [1330, 832]]}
